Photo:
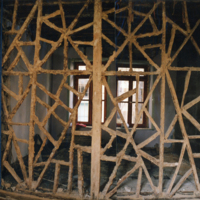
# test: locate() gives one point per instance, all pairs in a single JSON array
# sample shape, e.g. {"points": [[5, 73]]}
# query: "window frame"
{"points": [[75, 97], [130, 79]]}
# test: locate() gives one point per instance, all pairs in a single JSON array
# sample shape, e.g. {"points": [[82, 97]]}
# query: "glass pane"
{"points": [[83, 111], [138, 69], [81, 67], [102, 114], [81, 86], [122, 87], [140, 92], [124, 109], [126, 69], [103, 92], [123, 69], [134, 114]]}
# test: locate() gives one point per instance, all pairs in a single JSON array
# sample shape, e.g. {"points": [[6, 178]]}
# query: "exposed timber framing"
{"points": [[98, 75]]}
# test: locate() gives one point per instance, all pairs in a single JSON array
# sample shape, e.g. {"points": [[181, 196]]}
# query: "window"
{"points": [[84, 114], [128, 105]]}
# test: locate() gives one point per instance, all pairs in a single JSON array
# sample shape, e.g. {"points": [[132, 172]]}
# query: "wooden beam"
{"points": [[97, 96], [56, 177]]}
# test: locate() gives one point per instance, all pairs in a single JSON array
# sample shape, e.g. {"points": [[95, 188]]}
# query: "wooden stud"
{"points": [[71, 156], [109, 41], [97, 96], [20, 84], [187, 80], [14, 15], [56, 177], [129, 21], [162, 96], [80, 172], [138, 188]]}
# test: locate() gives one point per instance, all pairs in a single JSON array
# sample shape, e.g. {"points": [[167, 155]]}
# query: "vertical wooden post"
{"points": [[162, 94], [56, 177], [97, 95], [80, 172], [130, 18]]}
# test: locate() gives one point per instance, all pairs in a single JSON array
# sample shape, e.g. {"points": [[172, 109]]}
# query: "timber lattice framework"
{"points": [[98, 72]]}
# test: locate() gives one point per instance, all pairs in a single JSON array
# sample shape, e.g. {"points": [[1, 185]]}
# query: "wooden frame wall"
{"points": [[99, 72]]}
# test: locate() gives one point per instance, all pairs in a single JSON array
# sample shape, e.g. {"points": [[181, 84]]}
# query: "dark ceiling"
{"points": [[174, 11]]}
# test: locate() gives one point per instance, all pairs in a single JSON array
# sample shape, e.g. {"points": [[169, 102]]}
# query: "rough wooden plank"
{"points": [[86, 26], [97, 96], [162, 102], [187, 80], [85, 133], [40, 151], [15, 15], [14, 62], [56, 177], [171, 42], [139, 179], [122, 73], [152, 120], [196, 155], [137, 96], [121, 30], [52, 15], [153, 24], [192, 103], [125, 95], [171, 126], [109, 41], [151, 46], [80, 172], [148, 140], [71, 156], [20, 84], [10, 92], [90, 43], [186, 16]]}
